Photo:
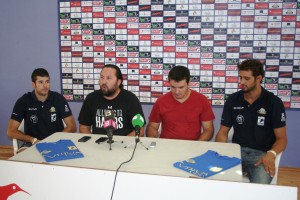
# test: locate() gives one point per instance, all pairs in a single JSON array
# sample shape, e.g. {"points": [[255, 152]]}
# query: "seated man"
{"points": [[258, 120], [183, 112], [42, 110], [111, 96]]}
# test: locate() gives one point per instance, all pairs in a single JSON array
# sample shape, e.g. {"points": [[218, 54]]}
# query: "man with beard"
{"points": [[111, 96], [258, 120], [44, 112]]}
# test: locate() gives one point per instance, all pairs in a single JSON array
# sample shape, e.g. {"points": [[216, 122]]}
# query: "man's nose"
{"points": [[242, 81]]}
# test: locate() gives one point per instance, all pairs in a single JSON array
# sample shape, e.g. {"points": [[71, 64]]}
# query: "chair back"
{"points": [[18, 143], [277, 162]]}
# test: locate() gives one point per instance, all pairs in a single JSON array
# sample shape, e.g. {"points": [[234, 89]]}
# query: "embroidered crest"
{"points": [[262, 111], [52, 109]]}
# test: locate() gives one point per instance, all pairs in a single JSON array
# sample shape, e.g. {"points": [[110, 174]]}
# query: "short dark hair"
{"points": [[179, 73], [255, 66], [39, 72], [118, 73]]}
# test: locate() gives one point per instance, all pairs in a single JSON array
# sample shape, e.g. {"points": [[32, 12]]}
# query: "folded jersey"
{"points": [[207, 164], [60, 150]]}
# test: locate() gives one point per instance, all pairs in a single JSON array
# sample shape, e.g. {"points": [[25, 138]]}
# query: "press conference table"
{"points": [[155, 161]]}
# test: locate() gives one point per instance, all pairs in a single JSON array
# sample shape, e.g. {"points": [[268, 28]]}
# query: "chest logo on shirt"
{"points": [[240, 119], [53, 117], [261, 121], [34, 119], [52, 109], [262, 111]]}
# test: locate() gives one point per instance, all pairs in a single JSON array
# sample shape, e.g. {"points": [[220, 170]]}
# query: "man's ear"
{"points": [[259, 78], [119, 82]]}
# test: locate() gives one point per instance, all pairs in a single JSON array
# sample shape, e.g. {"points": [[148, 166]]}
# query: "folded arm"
{"points": [[152, 129], [208, 131], [84, 128], [222, 135], [14, 132], [70, 125]]}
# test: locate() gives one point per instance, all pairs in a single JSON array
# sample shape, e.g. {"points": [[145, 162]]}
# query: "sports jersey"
{"points": [[125, 106], [41, 119], [254, 124], [181, 120]]}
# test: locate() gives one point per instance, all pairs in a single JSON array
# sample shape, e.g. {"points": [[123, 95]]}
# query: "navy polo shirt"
{"points": [[41, 119], [254, 124]]}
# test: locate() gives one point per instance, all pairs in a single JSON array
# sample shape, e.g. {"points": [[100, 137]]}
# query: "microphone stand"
{"points": [[110, 136], [137, 138], [110, 141]]}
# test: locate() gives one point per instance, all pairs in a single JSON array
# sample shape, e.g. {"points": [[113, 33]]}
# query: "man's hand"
{"points": [[268, 160]]}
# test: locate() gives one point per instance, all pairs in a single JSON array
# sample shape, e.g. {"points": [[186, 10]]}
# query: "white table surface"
{"points": [[157, 161]]}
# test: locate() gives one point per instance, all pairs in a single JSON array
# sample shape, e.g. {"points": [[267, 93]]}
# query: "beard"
{"points": [[109, 92], [247, 90]]}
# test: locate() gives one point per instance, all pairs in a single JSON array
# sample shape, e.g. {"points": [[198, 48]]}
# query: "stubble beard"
{"points": [[250, 89]]}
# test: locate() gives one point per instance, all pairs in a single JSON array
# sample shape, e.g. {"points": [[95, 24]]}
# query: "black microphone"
{"points": [[109, 124]]}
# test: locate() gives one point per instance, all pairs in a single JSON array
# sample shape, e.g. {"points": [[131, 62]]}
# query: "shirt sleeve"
{"points": [[226, 119], [85, 115], [278, 114], [155, 113], [135, 108], [19, 110], [63, 107], [208, 114]]}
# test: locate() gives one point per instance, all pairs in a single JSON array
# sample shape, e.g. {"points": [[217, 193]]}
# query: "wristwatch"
{"points": [[273, 152]]}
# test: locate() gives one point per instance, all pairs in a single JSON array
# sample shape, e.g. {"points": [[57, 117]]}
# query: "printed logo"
{"points": [[8, 190], [34, 119], [240, 119], [53, 117], [67, 108], [282, 117], [261, 121]]}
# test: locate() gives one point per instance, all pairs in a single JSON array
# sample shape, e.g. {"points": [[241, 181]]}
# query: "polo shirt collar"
{"points": [[50, 96], [262, 95]]}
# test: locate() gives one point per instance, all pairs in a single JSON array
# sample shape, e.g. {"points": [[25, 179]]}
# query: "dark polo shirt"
{"points": [[254, 124]]}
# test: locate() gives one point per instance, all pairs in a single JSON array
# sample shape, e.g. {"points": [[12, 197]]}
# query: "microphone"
{"points": [[109, 124], [137, 123]]}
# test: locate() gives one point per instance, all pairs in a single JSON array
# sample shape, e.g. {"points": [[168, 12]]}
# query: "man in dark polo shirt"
{"points": [[44, 112], [258, 119]]}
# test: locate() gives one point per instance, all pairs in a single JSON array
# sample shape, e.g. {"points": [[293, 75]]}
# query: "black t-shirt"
{"points": [[125, 106], [41, 119], [254, 124]]}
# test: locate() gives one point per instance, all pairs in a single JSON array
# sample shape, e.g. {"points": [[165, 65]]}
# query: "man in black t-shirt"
{"points": [[111, 96], [258, 119]]}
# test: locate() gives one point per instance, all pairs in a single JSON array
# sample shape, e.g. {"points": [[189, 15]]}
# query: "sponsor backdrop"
{"points": [[146, 38]]}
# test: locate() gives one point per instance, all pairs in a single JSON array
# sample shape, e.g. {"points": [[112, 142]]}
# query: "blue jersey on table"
{"points": [[60, 150], [207, 164]]}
